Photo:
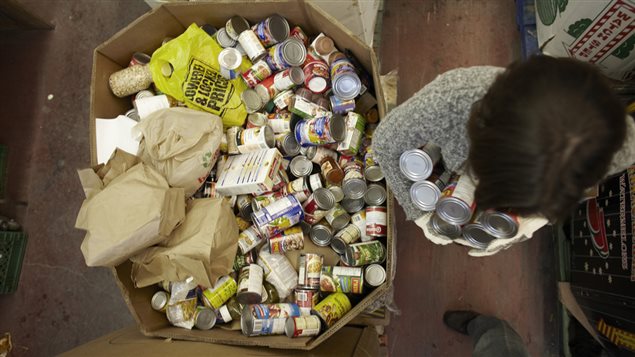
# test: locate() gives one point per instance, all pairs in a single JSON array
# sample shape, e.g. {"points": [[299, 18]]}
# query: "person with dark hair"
{"points": [[535, 135]]}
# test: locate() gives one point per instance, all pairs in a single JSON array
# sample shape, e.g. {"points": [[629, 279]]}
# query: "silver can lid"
{"points": [[352, 205], [270, 138], [296, 74], [373, 173], [239, 24], [338, 245], [425, 195], [321, 235], [257, 119], [416, 165], [354, 188], [338, 193], [290, 146], [341, 221], [294, 52], [309, 151], [160, 300], [375, 195], [443, 228], [223, 38], [301, 166], [454, 210], [263, 92], [346, 85], [230, 58], [500, 224], [252, 100], [476, 234], [338, 127], [278, 28], [324, 198], [205, 318], [375, 275]]}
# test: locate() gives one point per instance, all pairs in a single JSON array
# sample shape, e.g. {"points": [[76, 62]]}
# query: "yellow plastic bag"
{"points": [[195, 78]]}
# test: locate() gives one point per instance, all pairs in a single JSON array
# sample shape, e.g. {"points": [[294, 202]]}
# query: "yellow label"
{"points": [[222, 292], [333, 308]]}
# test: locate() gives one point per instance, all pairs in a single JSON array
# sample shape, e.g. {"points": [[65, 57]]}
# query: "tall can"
{"points": [[280, 122], [290, 239], [500, 224], [457, 204], [309, 269], [278, 271], [272, 30], [320, 131], [249, 239], [345, 82], [303, 326], [342, 279], [359, 220], [442, 228], [250, 284], [316, 206], [418, 164], [306, 299], [337, 217], [359, 254], [376, 221], [266, 319], [350, 234], [354, 185], [229, 60], [372, 171], [331, 309], [289, 53], [321, 234], [425, 194], [278, 216], [255, 139], [316, 75], [257, 73]]}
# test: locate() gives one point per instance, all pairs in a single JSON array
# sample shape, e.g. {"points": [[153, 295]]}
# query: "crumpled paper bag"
{"points": [[128, 207], [203, 247], [183, 144]]}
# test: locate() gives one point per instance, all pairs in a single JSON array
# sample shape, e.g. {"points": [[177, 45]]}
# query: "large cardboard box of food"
{"points": [[598, 32], [145, 35]]}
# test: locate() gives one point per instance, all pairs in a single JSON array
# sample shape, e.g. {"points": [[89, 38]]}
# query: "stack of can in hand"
{"points": [[451, 197], [301, 169]]}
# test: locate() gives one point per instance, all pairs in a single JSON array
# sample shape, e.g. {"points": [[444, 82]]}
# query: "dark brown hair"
{"points": [[545, 131]]}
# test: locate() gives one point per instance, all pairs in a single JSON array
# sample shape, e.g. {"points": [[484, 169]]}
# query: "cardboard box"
{"points": [[598, 32], [145, 35], [249, 173]]}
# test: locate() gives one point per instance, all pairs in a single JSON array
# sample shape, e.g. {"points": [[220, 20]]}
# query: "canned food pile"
{"points": [[451, 197], [300, 169]]}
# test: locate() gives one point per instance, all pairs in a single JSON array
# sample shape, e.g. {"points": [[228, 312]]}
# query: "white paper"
{"points": [[148, 105], [112, 134]]}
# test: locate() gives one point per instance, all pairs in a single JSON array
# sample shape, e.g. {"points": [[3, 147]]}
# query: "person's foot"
{"points": [[458, 320]]}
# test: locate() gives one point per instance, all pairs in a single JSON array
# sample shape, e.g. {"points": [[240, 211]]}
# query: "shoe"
{"points": [[458, 320]]}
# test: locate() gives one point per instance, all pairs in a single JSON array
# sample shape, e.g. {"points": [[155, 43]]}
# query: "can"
{"points": [[266, 89], [374, 275], [344, 80], [316, 75], [303, 107], [476, 234], [257, 120], [299, 34], [286, 144], [229, 60], [250, 284], [417, 164], [290, 239], [255, 139], [350, 234], [274, 29], [354, 185], [288, 78], [372, 171], [359, 254], [252, 101], [501, 225], [229, 312], [331, 170], [280, 122], [341, 106], [209, 29], [315, 182], [323, 46], [352, 205], [278, 271], [303, 326], [440, 227], [320, 130], [244, 260], [426, 194], [233, 135], [235, 26], [204, 318], [242, 222], [342, 279], [375, 195], [264, 200], [139, 58], [289, 53], [299, 189], [376, 219], [283, 99], [359, 220], [243, 202], [301, 166], [249, 239], [252, 46], [182, 312], [457, 204], [321, 234], [257, 73], [266, 319], [309, 268], [306, 298], [331, 309], [337, 217], [223, 38], [278, 216], [316, 206], [160, 300], [224, 288], [269, 293]]}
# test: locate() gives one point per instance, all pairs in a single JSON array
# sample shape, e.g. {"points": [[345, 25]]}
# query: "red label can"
{"points": [[257, 73], [376, 221]]}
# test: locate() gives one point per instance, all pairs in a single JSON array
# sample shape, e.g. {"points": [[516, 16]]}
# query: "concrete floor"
{"points": [[61, 303]]}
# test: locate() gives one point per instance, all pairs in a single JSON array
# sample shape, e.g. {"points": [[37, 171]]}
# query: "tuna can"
{"points": [[345, 81], [266, 89], [252, 101], [252, 46], [375, 195], [337, 217], [315, 182], [278, 216], [229, 60], [309, 268], [426, 194], [321, 234], [331, 170], [303, 326], [283, 100], [278, 271], [160, 300], [350, 234], [139, 58], [476, 234], [280, 122], [354, 185], [316, 75], [355, 125], [288, 78], [376, 219], [331, 309], [257, 73], [298, 188], [235, 26], [290, 239], [266, 319], [301, 166], [342, 279], [250, 284], [224, 288], [243, 202], [298, 33], [255, 139], [233, 138], [341, 106], [274, 29], [290, 53], [262, 201], [249, 239], [315, 208], [501, 225], [374, 275], [359, 220], [257, 120], [204, 318], [223, 38], [456, 204], [321, 130], [359, 254], [306, 298], [417, 164], [352, 205], [372, 171], [443, 228]]}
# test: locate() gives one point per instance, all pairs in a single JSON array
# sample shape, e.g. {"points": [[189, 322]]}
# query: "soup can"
{"points": [[359, 220], [331, 309], [257, 120], [235, 26], [337, 217], [425, 194], [342, 279], [501, 225], [359, 254], [303, 326], [316, 75], [249, 239], [252, 46], [255, 139], [204, 318], [229, 60], [477, 235], [274, 29], [375, 195], [278, 216], [266, 319], [417, 164], [321, 130], [283, 99], [315, 182], [350, 234], [341, 106], [160, 300], [376, 221], [290, 239], [352, 205], [299, 34], [223, 38], [316, 206], [280, 122], [309, 268], [457, 204], [321, 234], [306, 299], [289, 53], [288, 78], [354, 185], [257, 73], [250, 284], [301, 166], [345, 82], [440, 227], [374, 275], [266, 89], [372, 171], [299, 189]]}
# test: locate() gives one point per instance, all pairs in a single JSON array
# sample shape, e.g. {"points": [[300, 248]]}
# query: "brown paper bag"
{"points": [[203, 247], [135, 210], [181, 143]]}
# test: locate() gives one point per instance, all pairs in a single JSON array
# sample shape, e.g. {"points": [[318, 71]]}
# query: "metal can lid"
{"points": [[338, 194], [375, 275], [317, 84], [354, 188], [309, 151], [294, 52], [270, 138], [416, 165], [373, 173], [230, 58], [239, 24], [341, 221], [296, 74], [290, 146], [443, 228], [324, 45], [375, 195], [476, 234], [500, 224], [257, 119], [289, 327], [205, 318], [352, 205], [253, 101], [263, 92], [159, 300], [425, 195], [141, 57], [301, 166], [278, 28], [223, 39], [324, 198], [321, 235], [338, 245], [346, 85], [454, 210], [337, 125]]}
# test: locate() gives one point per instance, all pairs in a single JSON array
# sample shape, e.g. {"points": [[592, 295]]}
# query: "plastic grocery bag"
{"points": [[196, 79], [183, 144]]}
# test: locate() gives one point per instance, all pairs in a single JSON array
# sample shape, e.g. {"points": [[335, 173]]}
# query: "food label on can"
{"points": [[282, 80], [359, 220], [331, 309], [306, 326], [280, 122], [250, 279], [333, 213], [223, 313], [302, 107], [463, 189], [278, 216], [342, 279], [306, 298], [257, 73], [222, 291], [315, 182], [350, 234], [269, 326], [249, 239], [353, 170], [315, 131], [274, 311], [251, 44], [283, 100], [276, 60], [252, 139], [312, 213], [340, 64], [290, 239], [367, 253], [376, 219], [355, 125], [309, 269], [298, 33], [321, 153]]}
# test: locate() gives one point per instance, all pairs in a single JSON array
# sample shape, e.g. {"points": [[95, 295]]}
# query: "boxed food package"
{"points": [[249, 173], [147, 34]]}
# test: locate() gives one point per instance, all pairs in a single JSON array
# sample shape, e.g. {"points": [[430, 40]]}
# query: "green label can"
{"points": [[364, 253], [342, 279]]}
